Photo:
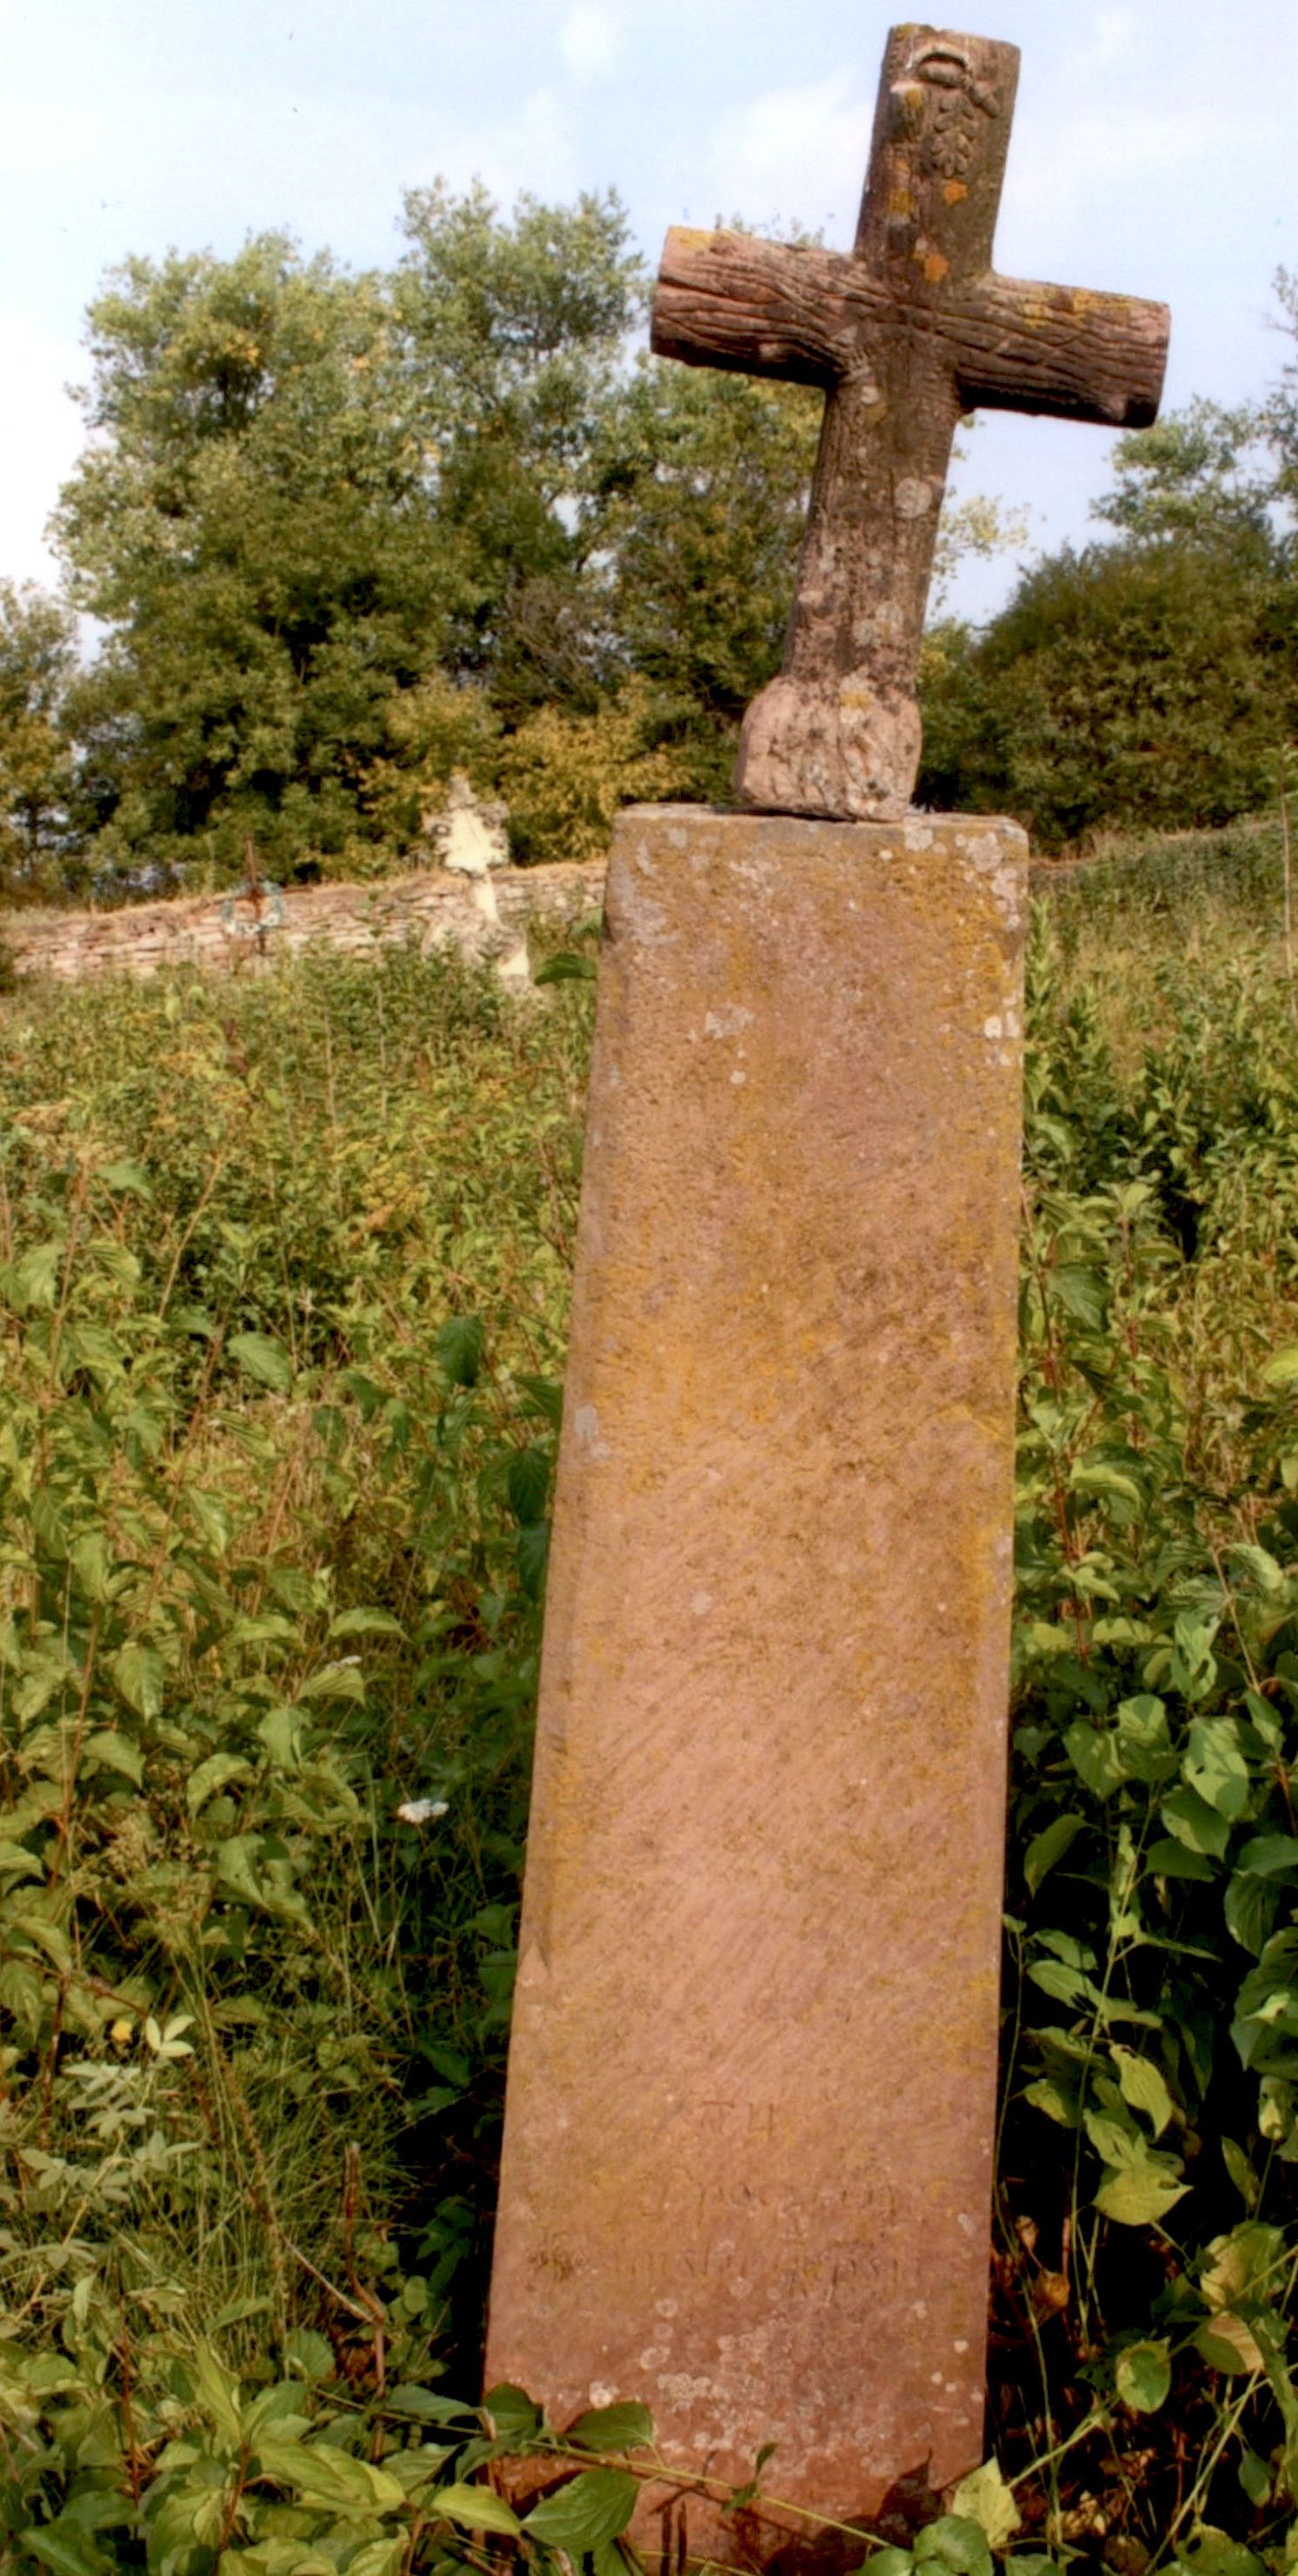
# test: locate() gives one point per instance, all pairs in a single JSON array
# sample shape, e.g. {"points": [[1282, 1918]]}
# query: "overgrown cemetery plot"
{"points": [[282, 1322]]}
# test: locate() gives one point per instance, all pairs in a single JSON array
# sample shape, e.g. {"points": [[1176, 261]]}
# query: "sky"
{"points": [[1152, 153]]}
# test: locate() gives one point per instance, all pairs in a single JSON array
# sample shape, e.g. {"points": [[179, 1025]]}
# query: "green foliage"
{"points": [[701, 483], [36, 660], [281, 1303], [1147, 2197], [1146, 684], [248, 527], [344, 535], [282, 1288]]}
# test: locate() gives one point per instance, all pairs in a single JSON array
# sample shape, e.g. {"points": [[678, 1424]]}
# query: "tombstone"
{"points": [[472, 839], [749, 2122]]}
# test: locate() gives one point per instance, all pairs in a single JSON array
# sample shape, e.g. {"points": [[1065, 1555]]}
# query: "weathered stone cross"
{"points": [[750, 2127], [909, 332]]}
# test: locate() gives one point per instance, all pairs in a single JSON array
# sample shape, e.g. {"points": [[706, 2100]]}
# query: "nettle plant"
{"points": [[1147, 2193]]}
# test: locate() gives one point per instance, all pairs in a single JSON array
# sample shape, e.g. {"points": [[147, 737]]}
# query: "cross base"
{"points": [[835, 748]]}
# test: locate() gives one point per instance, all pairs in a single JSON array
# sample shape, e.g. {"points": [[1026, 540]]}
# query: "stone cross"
{"points": [[907, 333], [750, 2114]]}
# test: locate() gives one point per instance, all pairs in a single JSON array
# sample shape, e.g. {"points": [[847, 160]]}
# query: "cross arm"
{"points": [[728, 300], [1058, 349]]}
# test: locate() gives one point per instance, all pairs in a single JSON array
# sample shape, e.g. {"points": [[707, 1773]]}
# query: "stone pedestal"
{"points": [[748, 2141]]}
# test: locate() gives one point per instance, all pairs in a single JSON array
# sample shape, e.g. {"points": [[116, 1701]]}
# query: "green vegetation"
{"points": [[1146, 682], [282, 1305], [342, 534]]}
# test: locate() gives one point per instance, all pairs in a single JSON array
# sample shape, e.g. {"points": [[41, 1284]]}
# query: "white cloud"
{"points": [[1111, 37], [799, 154], [588, 41], [1103, 161], [535, 149]]}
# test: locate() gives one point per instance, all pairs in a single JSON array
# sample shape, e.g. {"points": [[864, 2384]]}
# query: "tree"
{"points": [[251, 527], [307, 492], [37, 655], [1152, 680], [516, 335], [1124, 685]]}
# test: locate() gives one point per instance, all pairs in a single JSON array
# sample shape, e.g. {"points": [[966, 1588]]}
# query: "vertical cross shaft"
{"points": [[906, 334]]}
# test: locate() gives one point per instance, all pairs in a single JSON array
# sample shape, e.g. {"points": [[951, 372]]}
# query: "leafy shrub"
{"points": [[281, 1318]]}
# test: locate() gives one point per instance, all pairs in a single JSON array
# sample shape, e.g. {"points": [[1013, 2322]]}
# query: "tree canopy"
{"points": [[336, 535]]}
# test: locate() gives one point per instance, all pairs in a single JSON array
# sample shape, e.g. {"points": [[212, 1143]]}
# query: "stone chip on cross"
{"points": [[907, 333]]}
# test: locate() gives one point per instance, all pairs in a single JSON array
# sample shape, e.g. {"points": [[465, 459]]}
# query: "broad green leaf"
{"points": [[281, 2558], [329, 2480], [428, 2408], [1096, 1756], [15, 1862], [141, 1677], [32, 1281], [365, 1623], [1255, 2477], [984, 2497], [66, 2548], [459, 1347], [129, 1177], [263, 1360], [594, 2506], [1214, 2553], [1141, 2192], [335, 1681], [509, 2409], [216, 1773], [380, 2557], [1082, 1292], [308, 2354], [92, 1564], [1050, 2096], [477, 2508], [105, 1750], [1143, 2376], [527, 1484], [1049, 1846], [1241, 2172], [1281, 1370], [1247, 2265], [1145, 1739], [1215, 1766], [1143, 2086], [1268, 1854], [628, 2427], [1250, 1910], [217, 2392], [1226, 2344], [1192, 1821], [954, 2542], [532, 1553], [1169, 1859]]}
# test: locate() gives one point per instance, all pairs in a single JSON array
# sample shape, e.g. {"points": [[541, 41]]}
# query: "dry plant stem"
{"points": [[1286, 846]]}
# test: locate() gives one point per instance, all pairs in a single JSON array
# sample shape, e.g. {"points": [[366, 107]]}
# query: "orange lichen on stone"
{"points": [[748, 2138], [953, 190]]}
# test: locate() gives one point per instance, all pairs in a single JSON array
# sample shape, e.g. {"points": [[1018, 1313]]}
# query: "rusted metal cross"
{"points": [[910, 331]]}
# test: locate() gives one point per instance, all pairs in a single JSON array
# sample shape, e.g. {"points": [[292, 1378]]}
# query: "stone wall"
{"points": [[227, 933]]}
